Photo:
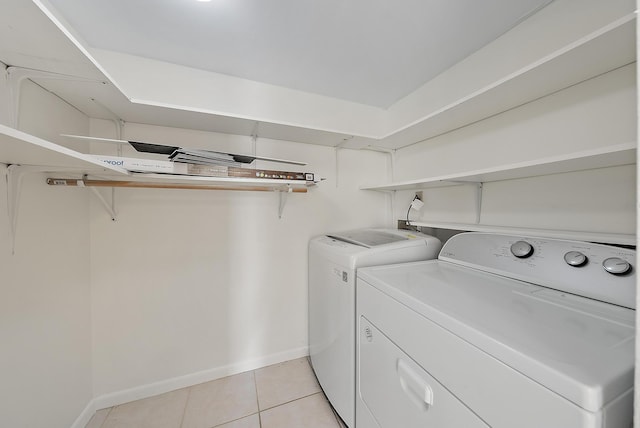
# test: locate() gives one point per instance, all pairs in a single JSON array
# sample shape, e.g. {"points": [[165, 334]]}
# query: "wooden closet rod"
{"points": [[147, 185]]}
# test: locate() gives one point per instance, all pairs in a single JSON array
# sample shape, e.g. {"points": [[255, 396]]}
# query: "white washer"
{"points": [[499, 332], [333, 261]]}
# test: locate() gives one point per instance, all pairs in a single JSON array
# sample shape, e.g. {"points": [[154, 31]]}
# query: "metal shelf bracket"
{"points": [[479, 186], [16, 75]]}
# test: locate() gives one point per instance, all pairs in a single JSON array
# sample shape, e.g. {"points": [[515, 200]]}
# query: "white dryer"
{"points": [[499, 332], [333, 262]]}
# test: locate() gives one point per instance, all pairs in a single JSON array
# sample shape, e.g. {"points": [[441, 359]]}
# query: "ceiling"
{"points": [[362, 53], [371, 52]]}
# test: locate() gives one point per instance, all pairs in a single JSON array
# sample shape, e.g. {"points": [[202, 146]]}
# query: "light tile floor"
{"points": [[285, 395]]}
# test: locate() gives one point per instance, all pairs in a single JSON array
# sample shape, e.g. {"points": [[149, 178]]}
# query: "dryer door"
{"points": [[394, 391]]}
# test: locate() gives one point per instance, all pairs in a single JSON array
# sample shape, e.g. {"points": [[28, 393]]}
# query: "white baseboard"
{"points": [[155, 388]]}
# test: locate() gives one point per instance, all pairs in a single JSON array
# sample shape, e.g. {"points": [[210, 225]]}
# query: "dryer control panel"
{"points": [[596, 271]]}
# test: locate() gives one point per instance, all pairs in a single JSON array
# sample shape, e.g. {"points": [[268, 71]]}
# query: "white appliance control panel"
{"points": [[596, 271]]}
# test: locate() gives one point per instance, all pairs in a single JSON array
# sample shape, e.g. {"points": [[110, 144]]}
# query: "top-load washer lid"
{"points": [[373, 247], [370, 237], [580, 348]]}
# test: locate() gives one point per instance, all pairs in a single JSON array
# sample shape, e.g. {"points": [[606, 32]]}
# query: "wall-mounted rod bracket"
{"points": [[282, 199], [109, 207]]}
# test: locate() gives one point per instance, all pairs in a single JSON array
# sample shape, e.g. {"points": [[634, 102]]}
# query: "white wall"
{"points": [[636, 413], [45, 322], [192, 285], [596, 113]]}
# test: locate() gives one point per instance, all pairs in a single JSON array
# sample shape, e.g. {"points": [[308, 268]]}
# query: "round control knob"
{"points": [[575, 258], [616, 265], [521, 249]]}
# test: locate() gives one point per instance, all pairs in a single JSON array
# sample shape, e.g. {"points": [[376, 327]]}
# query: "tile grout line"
{"points": [[335, 414], [294, 400], [237, 419], [334, 411], [255, 385], [186, 404], [105, 417]]}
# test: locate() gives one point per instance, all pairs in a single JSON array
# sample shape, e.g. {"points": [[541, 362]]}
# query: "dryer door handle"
{"points": [[415, 386]]}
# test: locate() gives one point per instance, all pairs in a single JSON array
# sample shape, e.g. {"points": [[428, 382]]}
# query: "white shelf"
{"points": [[617, 155], [604, 50], [20, 148], [607, 238]]}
